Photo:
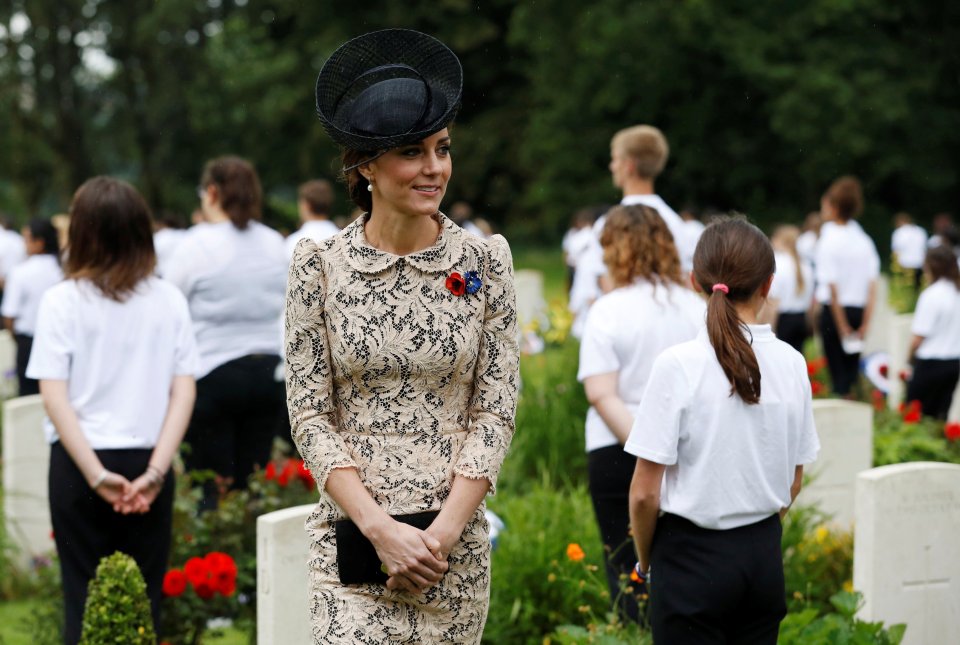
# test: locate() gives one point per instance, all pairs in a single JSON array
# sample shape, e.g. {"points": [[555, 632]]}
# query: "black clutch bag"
{"points": [[357, 559]]}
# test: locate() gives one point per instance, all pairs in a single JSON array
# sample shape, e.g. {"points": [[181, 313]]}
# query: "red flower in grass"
{"points": [[952, 430], [270, 472], [205, 589], [912, 413], [174, 583], [816, 387], [196, 571], [304, 474], [456, 284], [289, 471], [879, 400], [223, 572]]}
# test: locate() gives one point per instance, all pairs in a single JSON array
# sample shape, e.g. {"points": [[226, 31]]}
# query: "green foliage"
{"points": [[599, 635], [840, 627], [897, 441], [817, 559], [117, 610]]}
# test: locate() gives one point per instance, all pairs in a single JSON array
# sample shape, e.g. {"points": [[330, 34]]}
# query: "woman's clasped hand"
{"points": [[413, 559], [128, 497]]}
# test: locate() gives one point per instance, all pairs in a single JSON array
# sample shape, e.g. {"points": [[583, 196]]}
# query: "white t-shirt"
{"points": [[586, 281], [118, 358], [12, 251], [784, 287], [315, 229], [909, 242], [685, 238], [807, 246], [729, 464], [165, 242], [235, 282], [26, 285], [625, 331], [937, 319], [846, 257], [576, 242]]}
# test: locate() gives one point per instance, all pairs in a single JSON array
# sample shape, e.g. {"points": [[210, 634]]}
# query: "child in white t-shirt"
{"points": [[115, 356], [25, 286], [723, 430], [626, 329], [935, 347], [791, 293]]}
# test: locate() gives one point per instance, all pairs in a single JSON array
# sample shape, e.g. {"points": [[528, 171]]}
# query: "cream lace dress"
{"points": [[391, 373]]}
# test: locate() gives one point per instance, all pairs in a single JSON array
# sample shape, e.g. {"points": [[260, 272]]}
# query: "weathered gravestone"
{"points": [[876, 339], [906, 561], [283, 614], [845, 429], [8, 365], [898, 343], [26, 459], [531, 306]]}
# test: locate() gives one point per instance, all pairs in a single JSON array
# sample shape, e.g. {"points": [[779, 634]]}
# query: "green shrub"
{"points": [[117, 610], [807, 626], [897, 441], [817, 559]]}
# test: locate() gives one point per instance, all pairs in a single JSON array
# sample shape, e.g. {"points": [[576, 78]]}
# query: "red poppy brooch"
{"points": [[468, 283]]}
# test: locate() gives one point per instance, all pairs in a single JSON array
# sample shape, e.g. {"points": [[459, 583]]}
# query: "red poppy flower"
{"points": [[884, 370], [289, 471], [952, 430], [912, 413], [270, 473], [456, 284], [904, 374], [223, 572], [816, 387], [174, 583], [811, 368], [304, 474], [196, 571]]}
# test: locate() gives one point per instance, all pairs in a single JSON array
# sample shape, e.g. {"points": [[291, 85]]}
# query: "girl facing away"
{"points": [[935, 347], [115, 356], [26, 284], [723, 431]]}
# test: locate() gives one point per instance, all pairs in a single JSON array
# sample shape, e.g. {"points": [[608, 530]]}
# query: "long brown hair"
{"points": [[238, 187], [731, 262], [110, 239], [787, 235], [846, 195], [637, 244], [941, 262]]}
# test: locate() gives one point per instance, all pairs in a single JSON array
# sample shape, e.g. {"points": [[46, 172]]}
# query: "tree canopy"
{"points": [[763, 103]]}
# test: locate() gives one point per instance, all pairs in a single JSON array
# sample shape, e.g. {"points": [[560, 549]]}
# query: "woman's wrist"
{"points": [[97, 481]]}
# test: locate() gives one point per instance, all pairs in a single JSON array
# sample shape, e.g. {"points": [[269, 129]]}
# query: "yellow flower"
{"points": [[552, 577], [574, 552], [797, 595], [821, 534], [583, 609], [848, 586], [140, 630]]}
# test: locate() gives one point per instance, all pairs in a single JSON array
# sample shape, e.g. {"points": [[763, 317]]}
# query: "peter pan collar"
{"points": [[444, 253]]}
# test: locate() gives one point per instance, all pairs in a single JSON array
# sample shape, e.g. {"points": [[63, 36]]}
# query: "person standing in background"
{"points": [[25, 287], [167, 235], [909, 246], [847, 270], [232, 269], [12, 250], [791, 294], [576, 242], [314, 203], [807, 241]]}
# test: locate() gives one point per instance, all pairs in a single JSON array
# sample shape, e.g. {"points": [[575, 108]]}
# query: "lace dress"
{"points": [[390, 372]]}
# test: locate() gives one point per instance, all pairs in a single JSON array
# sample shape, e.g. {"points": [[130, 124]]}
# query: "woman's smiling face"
{"points": [[412, 179]]}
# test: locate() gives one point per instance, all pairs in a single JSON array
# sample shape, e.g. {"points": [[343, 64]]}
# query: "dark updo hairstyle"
{"points": [[110, 240], [941, 262], [357, 183], [846, 195], [734, 254], [238, 187], [44, 230]]}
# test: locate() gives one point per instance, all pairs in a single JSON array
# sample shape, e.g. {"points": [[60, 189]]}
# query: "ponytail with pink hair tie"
{"points": [[721, 287]]}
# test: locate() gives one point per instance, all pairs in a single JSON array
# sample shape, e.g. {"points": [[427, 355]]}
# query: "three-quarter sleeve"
{"points": [[496, 383], [310, 396]]}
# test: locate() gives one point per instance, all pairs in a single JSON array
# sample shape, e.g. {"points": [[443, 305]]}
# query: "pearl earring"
{"points": [[369, 188]]}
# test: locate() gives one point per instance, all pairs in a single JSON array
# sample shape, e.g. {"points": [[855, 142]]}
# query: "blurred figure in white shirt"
{"points": [[791, 294], [314, 203], [167, 235], [909, 246], [12, 249], [576, 241], [807, 241]]}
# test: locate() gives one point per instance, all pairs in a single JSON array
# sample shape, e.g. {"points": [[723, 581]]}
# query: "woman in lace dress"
{"points": [[402, 362]]}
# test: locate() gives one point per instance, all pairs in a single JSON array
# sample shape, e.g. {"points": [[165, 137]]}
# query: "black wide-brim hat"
{"points": [[388, 88]]}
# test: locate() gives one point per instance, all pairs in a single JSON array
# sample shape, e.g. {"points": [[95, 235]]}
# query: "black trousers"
{"points": [[716, 586], [843, 367], [86, 529], [792, 329], [933, 384], [234, 421], [26, 385], [609, 473]]}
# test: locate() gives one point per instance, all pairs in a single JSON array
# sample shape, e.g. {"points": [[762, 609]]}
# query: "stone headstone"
{"points": [[876, 340], [845, 429], [26, 463], [906, 561], [531, 305], [8, 365], [283, 589], [898, 343]]}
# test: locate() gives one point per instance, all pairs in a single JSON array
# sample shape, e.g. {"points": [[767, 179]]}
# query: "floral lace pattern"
{"points": [[390, 373]]}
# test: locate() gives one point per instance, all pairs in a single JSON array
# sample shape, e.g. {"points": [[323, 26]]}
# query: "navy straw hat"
{"points": [[388, 88]]}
